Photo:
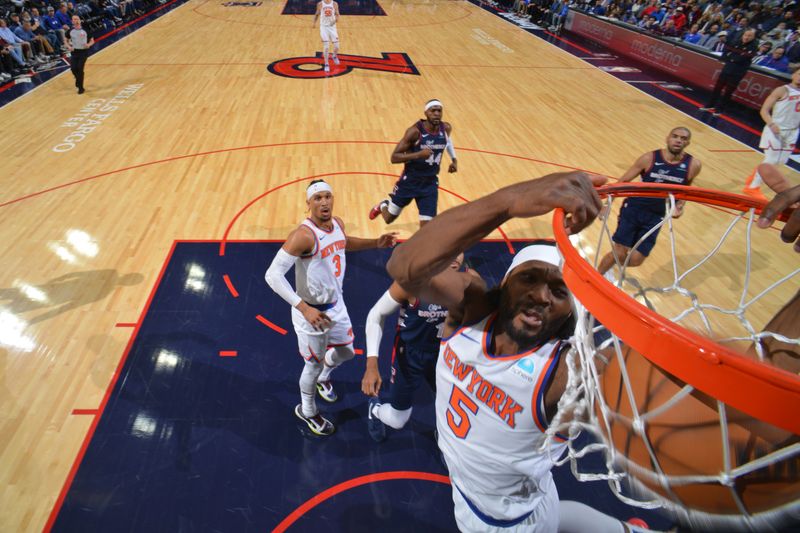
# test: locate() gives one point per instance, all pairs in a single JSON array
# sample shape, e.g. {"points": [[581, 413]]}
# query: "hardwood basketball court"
{"points": [[183, 126]]}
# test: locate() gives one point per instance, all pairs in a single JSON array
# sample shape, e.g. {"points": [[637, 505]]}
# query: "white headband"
{"points": [[535, 252], [320, 186], [433, 103]]}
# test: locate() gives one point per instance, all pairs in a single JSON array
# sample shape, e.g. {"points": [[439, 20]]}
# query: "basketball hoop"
{"points": [[661, 358]]}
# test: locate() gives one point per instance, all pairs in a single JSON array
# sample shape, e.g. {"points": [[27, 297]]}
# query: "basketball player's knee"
{"points": [[772, 156], [309, 375], [339, 354], [636, 259], [394, 418]]}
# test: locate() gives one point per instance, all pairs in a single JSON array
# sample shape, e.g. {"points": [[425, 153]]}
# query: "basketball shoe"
{"points": [[326, 392], [376, 428], [317, 423], [377, 209]]}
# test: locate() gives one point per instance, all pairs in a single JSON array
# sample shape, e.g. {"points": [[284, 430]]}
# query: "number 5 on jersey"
{"points": [[458, 401]]}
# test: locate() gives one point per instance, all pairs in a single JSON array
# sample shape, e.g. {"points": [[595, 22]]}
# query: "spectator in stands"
{"points": [[693, 36], [706, 36], [38, 43], [15, 54], [777, 60], [651, 24], [712, 20], [789, 18], [63, 17], [793, 49], [667, 29], [599, 9], [51, 23], [652, 8], [14, 21], [679, 20], [717, 43], [637, 7], [6, 62], [10, 37], [39, 28], [763, 50], [737, 56], [777, 35]]}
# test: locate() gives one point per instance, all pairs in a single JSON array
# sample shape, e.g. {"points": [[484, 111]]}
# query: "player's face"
{"points": [[321, 206], [534, 303], [677, 141], [796, 77], [434, 115]]}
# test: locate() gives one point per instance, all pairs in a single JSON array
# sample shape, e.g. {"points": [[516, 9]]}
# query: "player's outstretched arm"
{"points": [[316, 14], [427, 254], [388, 304]]}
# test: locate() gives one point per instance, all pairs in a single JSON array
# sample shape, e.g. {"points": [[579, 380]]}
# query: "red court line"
{"points": [[89, 434], [270, 325], [353, 483], [281, 186], [231, 288], [85, 411], [252, 147], [698, 104], [125, 325], [228, 353]]}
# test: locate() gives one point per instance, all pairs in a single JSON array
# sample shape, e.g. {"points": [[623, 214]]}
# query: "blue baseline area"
{"points": [[346, 7], [191, 441]]}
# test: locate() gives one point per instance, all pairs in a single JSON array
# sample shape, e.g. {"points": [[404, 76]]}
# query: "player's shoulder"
{"points": [[447, 126]]}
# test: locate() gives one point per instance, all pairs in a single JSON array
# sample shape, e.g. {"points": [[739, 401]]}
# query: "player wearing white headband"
{"points": [[501, 369], [316, 250], [420, 150]]}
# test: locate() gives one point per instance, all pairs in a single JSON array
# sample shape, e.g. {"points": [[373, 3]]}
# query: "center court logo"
{"points": [[311, 67]]}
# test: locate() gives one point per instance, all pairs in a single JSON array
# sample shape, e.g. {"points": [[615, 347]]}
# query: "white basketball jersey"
{"points": [[327, 14], [319, 275], [786, 111], [490, 418]]}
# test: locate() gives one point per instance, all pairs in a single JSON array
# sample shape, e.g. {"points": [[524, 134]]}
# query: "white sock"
{"points": [[325, 375], [392, 417]]}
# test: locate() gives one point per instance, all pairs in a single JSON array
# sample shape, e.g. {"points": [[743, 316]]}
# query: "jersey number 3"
{"points": [[458, 401], [337, 261]]}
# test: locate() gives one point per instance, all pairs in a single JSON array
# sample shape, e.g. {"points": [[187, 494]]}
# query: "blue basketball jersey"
{"points": [[661, 171], [427, 168], [421, 325]]}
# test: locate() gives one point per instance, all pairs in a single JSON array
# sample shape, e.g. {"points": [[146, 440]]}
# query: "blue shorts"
{"points": [[409, 367], [424, 190], [635, 222]]}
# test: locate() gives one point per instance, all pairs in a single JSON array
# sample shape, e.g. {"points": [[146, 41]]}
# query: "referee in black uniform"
{"points": [[79, 44]]}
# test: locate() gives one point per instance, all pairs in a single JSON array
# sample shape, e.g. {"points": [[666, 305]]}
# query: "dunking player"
{"points": [[420, 150], [324, 334], [501, 370], [416, 347], [328, 14], [639, 215], [781, 114]]}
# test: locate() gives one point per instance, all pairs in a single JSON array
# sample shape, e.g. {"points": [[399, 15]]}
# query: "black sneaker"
{"points": [[376, 428], [317, 423]]}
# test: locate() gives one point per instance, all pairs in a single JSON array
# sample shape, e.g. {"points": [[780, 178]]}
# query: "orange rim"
{"points": [[772, 395]]}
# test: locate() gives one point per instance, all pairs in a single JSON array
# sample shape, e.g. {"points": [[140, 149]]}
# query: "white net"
{"points": [[664, 443]]}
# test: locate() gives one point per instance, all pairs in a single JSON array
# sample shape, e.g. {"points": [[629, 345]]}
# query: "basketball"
{"points": [[686, 439]]}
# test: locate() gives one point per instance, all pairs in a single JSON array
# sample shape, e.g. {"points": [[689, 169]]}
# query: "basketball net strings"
{"points": [[579, 406]]}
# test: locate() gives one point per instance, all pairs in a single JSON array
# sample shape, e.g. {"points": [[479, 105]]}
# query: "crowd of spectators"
{"points": [[34, 33], [706, 24]]}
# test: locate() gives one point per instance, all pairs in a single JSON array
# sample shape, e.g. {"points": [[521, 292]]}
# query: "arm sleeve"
{"points": [[276, 277], [384, 307], [451, 150]]}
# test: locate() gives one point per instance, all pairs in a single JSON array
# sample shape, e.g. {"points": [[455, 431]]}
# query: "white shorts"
{"points": [[313, 343], [329, 34], [777, 149], [543, 519]]}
